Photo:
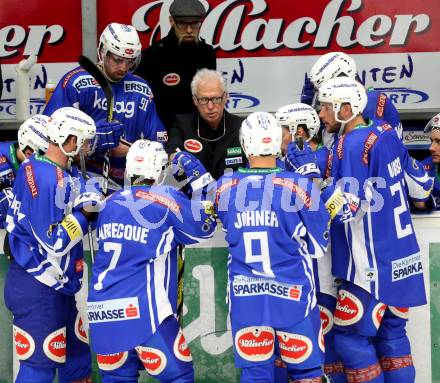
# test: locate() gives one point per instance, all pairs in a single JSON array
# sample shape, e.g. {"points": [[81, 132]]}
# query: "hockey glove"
{"points": [[185, 164], [308, 91], [107, 134], [90, 204], [302, 160]]}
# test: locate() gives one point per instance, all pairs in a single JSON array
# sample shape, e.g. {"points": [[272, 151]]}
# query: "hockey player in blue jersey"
{"points": [[131, 320], [431, 163], [376, 254], [303, 122], [32, 138], [274, 223], [134, 112], [336, 64], [46, 222]]}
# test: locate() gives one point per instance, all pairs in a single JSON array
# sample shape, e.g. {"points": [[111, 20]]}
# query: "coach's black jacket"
{"points": [[216, 156]]}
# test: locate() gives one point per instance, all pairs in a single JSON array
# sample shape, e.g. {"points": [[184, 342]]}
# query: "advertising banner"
{"points": [[264, 48]]}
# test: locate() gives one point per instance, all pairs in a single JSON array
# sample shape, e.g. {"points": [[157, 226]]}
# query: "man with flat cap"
{"points": [[170, 64]]}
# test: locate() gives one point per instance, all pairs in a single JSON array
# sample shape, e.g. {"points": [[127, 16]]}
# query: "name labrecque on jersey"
{"points": [[119, 231], [113, 310], [248, 286]]}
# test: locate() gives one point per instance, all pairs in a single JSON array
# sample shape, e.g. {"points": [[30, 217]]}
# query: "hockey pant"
{"points": [[165, 356], [300, 346], [48, 332], [370, 338]]}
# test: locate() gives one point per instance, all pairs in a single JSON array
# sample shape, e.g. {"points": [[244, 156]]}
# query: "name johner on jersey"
{"points": [[256, 218]]}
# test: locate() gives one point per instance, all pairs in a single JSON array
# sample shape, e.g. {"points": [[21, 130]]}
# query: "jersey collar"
{"points": [[259, 170], [39, 157], [13, 154]]}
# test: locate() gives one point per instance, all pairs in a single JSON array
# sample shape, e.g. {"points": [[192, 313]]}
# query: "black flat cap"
{"points": [[187, 8]]}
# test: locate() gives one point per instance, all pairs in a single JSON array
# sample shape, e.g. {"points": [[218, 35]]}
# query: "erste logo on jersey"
{"points": [[54, 346], [171, 79], [80, 332], [255, 343], [294, 348], [349, 309], [24, 343], [181, 349], [153, 359], [113, 310], [192, 146], [326, 317], [111, 362], [138, 87], [378, 313], [249, 286], [85, 81]]}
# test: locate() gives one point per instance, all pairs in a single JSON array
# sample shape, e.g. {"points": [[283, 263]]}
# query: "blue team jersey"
{"points": [[137, 230], [8, 163], [274, 224], [45, 237], [433, 170], [378, 250], [133, 106]]}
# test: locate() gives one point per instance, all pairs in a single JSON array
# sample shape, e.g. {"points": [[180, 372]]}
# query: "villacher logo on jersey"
{"points": [[113, 310]]}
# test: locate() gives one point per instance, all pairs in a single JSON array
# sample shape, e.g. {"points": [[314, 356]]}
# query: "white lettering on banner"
{"points": [[113, 310], [247, 286], [407, 267], [275, 33], [13, 36], [414, 137]]}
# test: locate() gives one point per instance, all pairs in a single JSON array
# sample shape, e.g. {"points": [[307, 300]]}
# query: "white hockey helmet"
{"points": [[293, 115], [121, 40], [146, 159], [69, 121], [33, 134], [331, 65], [260, 135], [342, 90], [433, 123]]}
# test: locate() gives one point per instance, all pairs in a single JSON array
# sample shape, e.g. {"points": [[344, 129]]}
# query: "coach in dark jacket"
{"points": [[170, 64], [210, 133]]}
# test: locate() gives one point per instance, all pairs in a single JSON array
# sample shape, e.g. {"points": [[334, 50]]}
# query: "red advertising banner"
{"points": [[257, 28], [50, 29]]}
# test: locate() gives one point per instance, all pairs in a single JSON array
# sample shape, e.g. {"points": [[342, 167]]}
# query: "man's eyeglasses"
{"points": [[184, 24], [214, 100], [121, 60]]}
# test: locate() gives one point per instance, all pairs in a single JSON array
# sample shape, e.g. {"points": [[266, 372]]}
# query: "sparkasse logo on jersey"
{"points": [[113, 310]]}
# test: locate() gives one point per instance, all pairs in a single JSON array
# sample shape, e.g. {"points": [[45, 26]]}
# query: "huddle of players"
{"points": [[277, 289]]}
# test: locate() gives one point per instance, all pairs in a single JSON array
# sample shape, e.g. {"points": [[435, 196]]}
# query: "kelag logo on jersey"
{"points": [[113, 310], [248, 286], [121, 107]]}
